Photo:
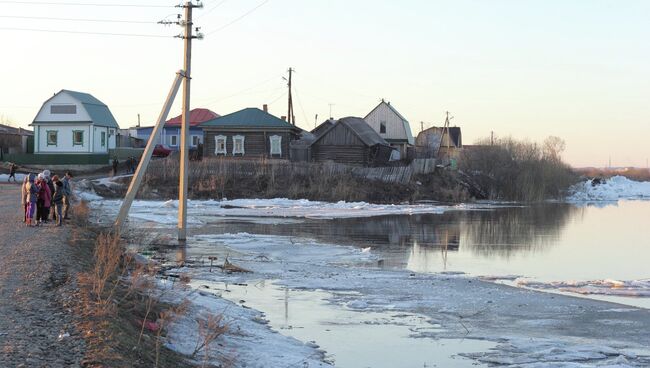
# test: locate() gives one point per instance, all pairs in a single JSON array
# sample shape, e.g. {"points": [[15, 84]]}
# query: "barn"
{"points": [[351, 141]]}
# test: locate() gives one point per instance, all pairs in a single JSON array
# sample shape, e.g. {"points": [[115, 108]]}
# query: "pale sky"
{"points": [[578, 69]]}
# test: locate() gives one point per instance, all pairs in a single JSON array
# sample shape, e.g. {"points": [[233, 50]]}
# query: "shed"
{"points": [[435, 141], [352, 141]]}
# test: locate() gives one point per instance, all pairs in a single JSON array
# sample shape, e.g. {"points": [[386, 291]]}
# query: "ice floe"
{"points": [[612, 189], [633, 288]]}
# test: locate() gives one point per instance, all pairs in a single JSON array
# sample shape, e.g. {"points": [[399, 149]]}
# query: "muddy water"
{"points": [[546, 243]]}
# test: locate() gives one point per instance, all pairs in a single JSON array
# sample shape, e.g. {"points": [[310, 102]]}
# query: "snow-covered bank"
{"points": [[612, 189], [208, 211]]}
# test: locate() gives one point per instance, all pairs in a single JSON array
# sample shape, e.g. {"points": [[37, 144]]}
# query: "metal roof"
{"points": [[99, 113], [360, 128], [249, 117], [197, 116]]}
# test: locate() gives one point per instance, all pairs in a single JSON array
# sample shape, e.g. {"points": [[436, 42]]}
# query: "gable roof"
{"points": [[250, 117], [405, 123], [197, 116], [360, 128], [323, 127], [438, 132], [99, 113]]}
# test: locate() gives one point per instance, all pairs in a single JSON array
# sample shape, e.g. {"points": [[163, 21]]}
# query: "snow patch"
{"points": [[19, 177], [613, 189]]}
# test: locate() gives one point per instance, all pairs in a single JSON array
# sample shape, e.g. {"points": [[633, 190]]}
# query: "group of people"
{"points": [[131, 164], [44, 197]]}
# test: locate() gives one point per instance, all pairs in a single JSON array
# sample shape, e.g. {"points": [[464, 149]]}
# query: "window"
{"points": [[63, 109], [382, 127], [276, 145], [103, 139], [238, 145], [220, 145], [52, 137], [77, 137], [196, 140], [173, 140]]}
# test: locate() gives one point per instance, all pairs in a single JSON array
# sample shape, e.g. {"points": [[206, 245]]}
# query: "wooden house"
{"points": [[251, 133], [352, 141], [435, 142], [170, 135], [392, 127], [14, 140]]}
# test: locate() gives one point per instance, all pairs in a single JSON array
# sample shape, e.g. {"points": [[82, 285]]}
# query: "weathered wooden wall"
{"points": [[256, 143]]}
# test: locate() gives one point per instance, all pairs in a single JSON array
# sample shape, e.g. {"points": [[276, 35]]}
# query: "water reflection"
{"points": [[500, 232]]}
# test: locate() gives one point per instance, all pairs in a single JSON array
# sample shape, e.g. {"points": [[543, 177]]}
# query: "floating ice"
{"points": [[613, 189], [634, 288]]}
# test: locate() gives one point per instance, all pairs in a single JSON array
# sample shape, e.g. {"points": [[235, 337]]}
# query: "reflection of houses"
{"points": [[171, 133], [392, 127], [74, 123], [250, 132], [352, 141], [435, 142], [15, 140]]}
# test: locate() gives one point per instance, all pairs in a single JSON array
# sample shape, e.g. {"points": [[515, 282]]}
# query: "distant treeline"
{"points": [[632, 173]]}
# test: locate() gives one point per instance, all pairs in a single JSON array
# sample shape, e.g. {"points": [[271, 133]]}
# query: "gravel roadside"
{"points": [[36, 319]]}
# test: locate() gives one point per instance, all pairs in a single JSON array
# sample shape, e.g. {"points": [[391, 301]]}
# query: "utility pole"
{"points": [[185, 120], [290, 115]]}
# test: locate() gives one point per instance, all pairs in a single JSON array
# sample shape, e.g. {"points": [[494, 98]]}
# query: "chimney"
{"points": [[283, 118], [265, 107]]}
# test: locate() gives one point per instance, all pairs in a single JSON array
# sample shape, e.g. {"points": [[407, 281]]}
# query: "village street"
{"points": [[36, 325]]}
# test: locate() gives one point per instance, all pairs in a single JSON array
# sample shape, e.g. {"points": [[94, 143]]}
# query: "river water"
{"points": [[598, 252]]}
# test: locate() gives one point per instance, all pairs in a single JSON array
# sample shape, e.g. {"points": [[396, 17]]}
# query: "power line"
{"points": [[238, 18], [83, 4], [84, 32], [211, 9], [79, 19]]}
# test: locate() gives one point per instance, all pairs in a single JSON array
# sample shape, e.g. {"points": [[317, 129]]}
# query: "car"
{"points": [[160, 150]]}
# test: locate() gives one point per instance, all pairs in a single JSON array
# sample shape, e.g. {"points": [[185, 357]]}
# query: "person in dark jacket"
{"points": [[12, 172], [57, 200], [67, 194], [115, 164]]}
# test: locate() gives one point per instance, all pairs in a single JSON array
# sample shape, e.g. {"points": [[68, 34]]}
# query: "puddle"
{"points": [[351, 338]]}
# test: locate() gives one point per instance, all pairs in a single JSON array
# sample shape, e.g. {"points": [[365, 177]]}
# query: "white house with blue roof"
{"points": [[74, 123]]}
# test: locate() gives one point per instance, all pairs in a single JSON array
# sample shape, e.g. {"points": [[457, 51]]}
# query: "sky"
{"points": [[577, 69]]}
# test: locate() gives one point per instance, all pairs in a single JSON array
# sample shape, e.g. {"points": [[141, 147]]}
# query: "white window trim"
{"points": [[278, 139], [217, 151], [198, 140], [171, 136], [236, 138]]}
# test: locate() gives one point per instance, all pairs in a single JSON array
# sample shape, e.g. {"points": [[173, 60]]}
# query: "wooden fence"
{"points": [[210, 167]]}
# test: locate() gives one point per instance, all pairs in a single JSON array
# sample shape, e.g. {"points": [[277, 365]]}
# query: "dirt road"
{"points": [[35, 291]]}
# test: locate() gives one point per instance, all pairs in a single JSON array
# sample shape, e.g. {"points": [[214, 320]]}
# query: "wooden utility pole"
{"points": [[185, 121], [290, 116]]}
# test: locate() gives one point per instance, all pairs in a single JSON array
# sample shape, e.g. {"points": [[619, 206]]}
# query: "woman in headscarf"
{"points": [[32, 196]]}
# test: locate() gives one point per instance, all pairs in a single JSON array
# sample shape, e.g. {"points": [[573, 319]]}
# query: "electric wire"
{"points": [[83, 4], [238, 18], [84, 32], [79, 19]]}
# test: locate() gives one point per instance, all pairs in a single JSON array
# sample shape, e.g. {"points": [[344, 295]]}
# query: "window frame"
{"points": [[224, 139], [278, 139], [198, 140], [235, 139], [56, 138], [102, 139], [73, 109], [382, 127], [172, 138], [74, 142]]}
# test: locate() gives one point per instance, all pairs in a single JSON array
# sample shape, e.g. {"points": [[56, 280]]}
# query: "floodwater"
{"points": [[543, 243], [551, 242], [351, 338]]}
